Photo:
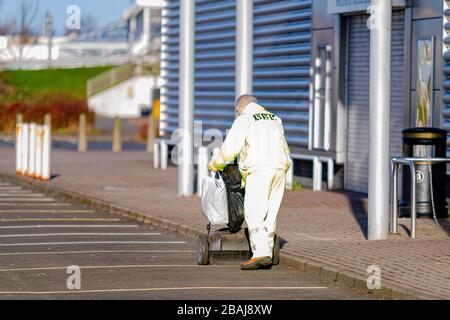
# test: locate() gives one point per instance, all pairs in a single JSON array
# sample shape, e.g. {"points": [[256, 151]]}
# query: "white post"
{"points": [[164, 155], [318, 128], [32, 148], [25, 143], [156, 155], [46, 151], [244, 47], [290, 177], [328, 99], [19, 148], [39, 145], [330, 174], [317, 174], [379, 126], [147, 30], [202, 168], [186, 98]]}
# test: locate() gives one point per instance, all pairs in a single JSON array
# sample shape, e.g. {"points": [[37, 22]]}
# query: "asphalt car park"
{"points": [[54, 249]]}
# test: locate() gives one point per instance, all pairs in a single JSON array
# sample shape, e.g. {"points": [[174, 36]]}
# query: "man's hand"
{"points": [[211, 166]]}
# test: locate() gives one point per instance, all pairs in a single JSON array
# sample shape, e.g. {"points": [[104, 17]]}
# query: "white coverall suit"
{"points": [[257, 137]]}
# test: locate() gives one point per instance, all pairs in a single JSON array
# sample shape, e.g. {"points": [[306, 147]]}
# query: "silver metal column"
{"points": [[186, 98], [244, 47], [380, 79]]}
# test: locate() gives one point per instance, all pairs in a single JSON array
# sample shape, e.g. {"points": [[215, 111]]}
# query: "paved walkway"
{"points": [[323, 227]]}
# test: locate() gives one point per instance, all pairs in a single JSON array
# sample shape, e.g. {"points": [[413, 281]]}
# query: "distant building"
{"points": [[107, 45], [127, 91], [144, 25]]}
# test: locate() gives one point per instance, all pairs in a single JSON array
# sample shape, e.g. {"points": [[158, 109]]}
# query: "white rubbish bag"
{"points": [[214, 201]]}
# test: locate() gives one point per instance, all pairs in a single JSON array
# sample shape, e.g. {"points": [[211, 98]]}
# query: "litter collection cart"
{"points": [[231, 242]]}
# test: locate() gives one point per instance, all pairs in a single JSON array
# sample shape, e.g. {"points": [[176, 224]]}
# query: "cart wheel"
{"points": [[276, 251], [202, 250]]}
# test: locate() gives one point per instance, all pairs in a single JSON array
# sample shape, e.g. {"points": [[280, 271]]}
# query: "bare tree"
{"points": [[8, 26], [27, 23]]}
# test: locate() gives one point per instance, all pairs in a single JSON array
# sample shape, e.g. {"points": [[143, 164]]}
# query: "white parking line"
{"points": [[77, 234], [94, 252], [58, 219], [137, 266], [162, 289], [71, 226], [27, 199], [45, 211], [35, 204], [31, 195], [87, 242]]}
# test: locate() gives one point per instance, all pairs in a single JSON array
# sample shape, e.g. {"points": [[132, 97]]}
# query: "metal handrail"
{"points": [[118, 75], [411, 162]]}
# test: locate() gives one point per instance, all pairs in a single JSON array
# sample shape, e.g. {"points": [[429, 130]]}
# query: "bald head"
{"points": [[243, 101]]}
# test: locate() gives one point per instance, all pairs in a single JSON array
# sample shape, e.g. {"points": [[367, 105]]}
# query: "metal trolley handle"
{"points": [[411, 163]]}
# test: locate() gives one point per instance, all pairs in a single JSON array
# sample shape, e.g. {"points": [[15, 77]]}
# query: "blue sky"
{"points": [[104, 11]]}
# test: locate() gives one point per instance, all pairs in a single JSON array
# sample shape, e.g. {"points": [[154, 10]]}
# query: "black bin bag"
{"points": [[231, 176]]}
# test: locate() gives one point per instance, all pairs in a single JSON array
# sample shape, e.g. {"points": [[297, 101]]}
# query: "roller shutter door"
{"points": [[358, 73]]}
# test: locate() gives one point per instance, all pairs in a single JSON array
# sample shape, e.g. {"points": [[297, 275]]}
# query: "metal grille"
{"points": [[446, 71], [282, 58]]}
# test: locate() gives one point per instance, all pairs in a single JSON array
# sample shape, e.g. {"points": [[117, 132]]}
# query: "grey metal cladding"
{"points": [[169, 67], [282, 57], [281, 67], [215, 61]]}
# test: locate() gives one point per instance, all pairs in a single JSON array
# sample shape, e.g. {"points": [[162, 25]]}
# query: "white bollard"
{"points": [[39, 149], [290, 177], [156, 155], [164, 155], [25, 143], [202, 168], [46, 151], [215, 152], [317, 174], [32, 150], [19, 138]]}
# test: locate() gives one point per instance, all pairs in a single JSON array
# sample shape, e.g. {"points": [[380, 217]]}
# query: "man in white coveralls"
{"points": [[257, 137]]}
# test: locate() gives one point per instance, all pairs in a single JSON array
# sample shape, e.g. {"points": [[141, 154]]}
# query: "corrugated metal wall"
{"points": [[169, 67], [215, 61], [446, 70], [282, 56], [357, 167]]}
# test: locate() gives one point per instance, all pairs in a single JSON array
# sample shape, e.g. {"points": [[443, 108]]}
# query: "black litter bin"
{"points": [[425, 143]]}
